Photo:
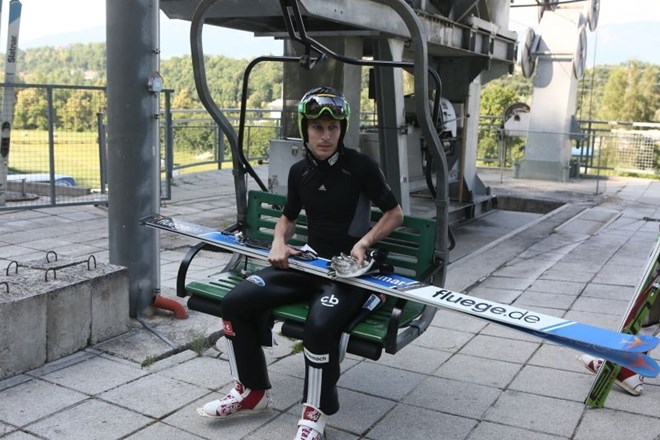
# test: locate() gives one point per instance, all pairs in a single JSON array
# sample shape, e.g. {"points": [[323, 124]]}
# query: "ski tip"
{"points": [[643, 365], [641, 343]]}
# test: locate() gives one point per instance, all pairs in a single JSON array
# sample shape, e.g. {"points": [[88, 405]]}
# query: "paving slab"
{"points": [[536, 413], [534, 300], [470, 369], [606, 424], [367, 377], [494, 431], [154, 395], [552, 382], [461, 398], [358, 412], [20, 435], [557, 286], [420, 423], [557, 357], [501, 349], [415, 359], [161, 431], [100, 419], [34, 400], [95, 375]]}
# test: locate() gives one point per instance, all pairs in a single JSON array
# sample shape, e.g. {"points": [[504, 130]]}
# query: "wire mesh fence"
{"points": [[57, 146], [57, 149], [53, 153], [599, 148], [631, 151], [199, 143]]}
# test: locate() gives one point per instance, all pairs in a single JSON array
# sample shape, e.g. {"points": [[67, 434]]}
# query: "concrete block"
{"points": [[69, 319], [53, 309], [22, 332], [110, 304]]}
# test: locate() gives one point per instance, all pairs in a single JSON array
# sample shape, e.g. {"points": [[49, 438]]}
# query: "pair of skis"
{"points": [[622, 349], [8, 93], [639, 309]]}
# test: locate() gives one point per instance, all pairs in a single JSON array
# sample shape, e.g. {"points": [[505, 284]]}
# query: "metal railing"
{"points": [[599, 148], [58, 150]]}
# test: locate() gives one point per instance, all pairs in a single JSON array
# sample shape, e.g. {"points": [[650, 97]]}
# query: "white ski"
{"points": [[623, 349], [8, 94]]}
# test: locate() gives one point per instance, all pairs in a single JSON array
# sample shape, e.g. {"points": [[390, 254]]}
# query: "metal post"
{"points": [[500, 136], [133, 144], [169, 145], [51, 146], [220, 144], [103, 165]]}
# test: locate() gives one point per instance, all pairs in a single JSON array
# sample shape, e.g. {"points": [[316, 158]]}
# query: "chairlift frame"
{"points": [[316, 53]]}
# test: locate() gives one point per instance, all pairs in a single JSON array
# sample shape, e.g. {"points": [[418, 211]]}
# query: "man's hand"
{"points": [[388, 222], [359, 252], [279, 250], [279, 255]]}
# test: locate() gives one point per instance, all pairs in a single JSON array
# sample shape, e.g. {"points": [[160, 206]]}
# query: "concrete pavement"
{"points": [[462, 379]]}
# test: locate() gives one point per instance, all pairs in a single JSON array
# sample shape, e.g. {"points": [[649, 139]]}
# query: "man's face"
{"points": [[323, 136]]}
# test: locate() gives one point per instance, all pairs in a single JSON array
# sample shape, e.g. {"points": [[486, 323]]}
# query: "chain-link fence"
{"points": [[199, 143], [54, 156], [57, 149], [57, 153], [630, 151], [598, 148]]}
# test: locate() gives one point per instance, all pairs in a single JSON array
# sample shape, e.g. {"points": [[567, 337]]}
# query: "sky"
{"points": [[626, 29]]}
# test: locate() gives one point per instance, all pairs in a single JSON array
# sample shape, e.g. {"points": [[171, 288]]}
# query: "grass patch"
{"points": [[75, 154], [149, 361], [297, 347], [200, 342]]}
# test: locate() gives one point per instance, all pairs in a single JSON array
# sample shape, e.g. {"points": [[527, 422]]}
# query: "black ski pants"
{"points": [[246, 314]]}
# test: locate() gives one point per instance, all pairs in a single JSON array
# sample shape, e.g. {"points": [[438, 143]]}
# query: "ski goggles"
{"points": [[315, 106]]}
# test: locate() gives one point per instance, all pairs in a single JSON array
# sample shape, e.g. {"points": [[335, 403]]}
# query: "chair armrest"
{"points": [[185, 263]]}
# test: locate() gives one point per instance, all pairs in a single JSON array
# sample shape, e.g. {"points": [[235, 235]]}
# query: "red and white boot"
{"points": [[630, 381], [311, 425], [239, 402]]}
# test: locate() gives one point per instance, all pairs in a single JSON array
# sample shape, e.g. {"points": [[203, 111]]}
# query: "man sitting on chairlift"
{"points": [[336, 187]]}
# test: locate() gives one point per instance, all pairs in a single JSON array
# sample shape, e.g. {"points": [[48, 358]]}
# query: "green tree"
{"points": [[31, 109], [631, 93], [590, 91], [496, 96], [184, 99], [79, 112]]}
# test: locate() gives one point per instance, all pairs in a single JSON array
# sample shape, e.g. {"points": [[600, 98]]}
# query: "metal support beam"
{"points": [[389, 101], [133, 144]]}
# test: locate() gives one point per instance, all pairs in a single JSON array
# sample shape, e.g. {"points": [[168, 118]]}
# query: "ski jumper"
{"points": [[336, 195]]}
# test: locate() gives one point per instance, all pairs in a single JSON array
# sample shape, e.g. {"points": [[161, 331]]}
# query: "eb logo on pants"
{"points": [[329, 301]]}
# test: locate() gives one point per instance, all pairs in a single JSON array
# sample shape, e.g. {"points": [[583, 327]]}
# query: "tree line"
{"points": [[85, 65], [625, 92]]}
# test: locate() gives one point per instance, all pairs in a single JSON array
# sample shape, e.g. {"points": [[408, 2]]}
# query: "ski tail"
{"points": [[637, 313], [640, 363]]}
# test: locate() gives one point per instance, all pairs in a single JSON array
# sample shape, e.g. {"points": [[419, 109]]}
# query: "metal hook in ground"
{"points": [[49, 253], [9, 266]]}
